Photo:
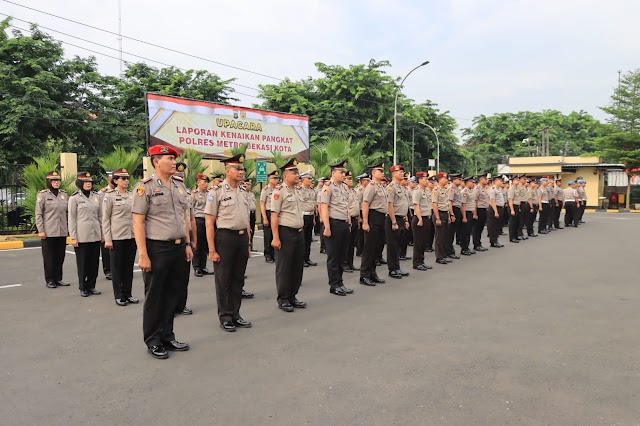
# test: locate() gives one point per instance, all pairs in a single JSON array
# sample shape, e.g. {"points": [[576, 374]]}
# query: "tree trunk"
{"points": [[628, 192]]}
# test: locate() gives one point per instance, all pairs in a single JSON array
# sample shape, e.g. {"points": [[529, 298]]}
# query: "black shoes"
{"points": [[198, 273], [185, 311], [480, 248], [513, 241], [365, 281], [429, 249], [269, 260], [94, 291], [346, 290], [395, 274], [382, 261], [348, 269], [535, 235], [242, 323], [51, 284], [62, 283], [466, 252], [247, 295], [498, 245], [404, 258], [522, 238], [122, 302], [378, 280], [108, 276], [228, 326], [403, 273], [174, 345], [287, 307], [453, 256], [309, 262], [158, 352], [422, 267], [338, 291], [298, 304], [133, 300], [84, 293], [205, 271], [323, 251], [441, 261]]}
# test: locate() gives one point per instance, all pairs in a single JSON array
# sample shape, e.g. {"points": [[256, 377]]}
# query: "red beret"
{"points": [[396, 167], [421, 175], [162, 150], [440, 175], [201, 176]]}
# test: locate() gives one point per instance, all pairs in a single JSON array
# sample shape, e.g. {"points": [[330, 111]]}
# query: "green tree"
{"points": [[339, 147], [194, 166], [131, 160]]}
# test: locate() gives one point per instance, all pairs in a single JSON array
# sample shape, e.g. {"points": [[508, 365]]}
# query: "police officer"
{"points": [[494, 216], [356, 223], [582, 192], [421, 200], [321, 183], [183, 291], [532, 197], [396, 221], [513, 195], [336, 223], [265, 210], [198, 201], [552, 202], [308, 199], [161, 229], [481, 196], [469, 215], [526, 207], [317, 228], [51, 222], [455, 213], [407, 235], [374, 209], [543, 205], [441, 208], [227, 207], [559, 197], [431, 234], [117, 227], [287, 223], [251, 199], [571, 204], [363, 181], [104, 251], [85, 230]]}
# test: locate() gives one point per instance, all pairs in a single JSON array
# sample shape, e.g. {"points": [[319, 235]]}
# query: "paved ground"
{"points": [[545, 332]]}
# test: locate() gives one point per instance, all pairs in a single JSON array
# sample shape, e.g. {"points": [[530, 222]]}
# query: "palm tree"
{"points": [[194, 166], [338, 147], [121, 158]]}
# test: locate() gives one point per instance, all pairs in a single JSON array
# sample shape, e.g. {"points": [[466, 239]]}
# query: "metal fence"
{"points": [[12, 220]]}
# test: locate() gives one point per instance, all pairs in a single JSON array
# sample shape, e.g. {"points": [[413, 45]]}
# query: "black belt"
{"points": [[199, 218], [171, 241], [232, 231], [288, 228]]}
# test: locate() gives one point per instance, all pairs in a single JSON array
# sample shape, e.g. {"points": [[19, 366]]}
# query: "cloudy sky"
{"points": [[487, 56]]}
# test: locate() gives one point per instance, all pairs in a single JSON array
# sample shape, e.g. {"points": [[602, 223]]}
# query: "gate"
{"points": [[12, 198]]}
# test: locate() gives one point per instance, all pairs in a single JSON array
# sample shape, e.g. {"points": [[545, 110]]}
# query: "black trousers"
{"points": [[420, 234], [317, 228], [478, 227], [453, 231], [467, 228], [268, 238], [557, 211], [394, 241], [514, 222], [551, 214], [351, 242], [494, 224], [183, 285], [543, 220], [233, 248], [87, 262], [373, 241], [53, 253], [289, 263], [441, 233], [252, 225], [581, 209], [201, 252], [161, 286], [308, 235], [335, 244], [105, 253], [531, 218], [505, 216], [570, 213], [523, 217], [123, 255], [360, 241], [431, 233]]}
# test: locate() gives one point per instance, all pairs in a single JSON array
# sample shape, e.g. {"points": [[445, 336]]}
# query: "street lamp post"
{"points": [[395, 113], [437, 146]]}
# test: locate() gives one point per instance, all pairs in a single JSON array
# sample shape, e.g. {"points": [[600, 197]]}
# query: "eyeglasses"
{"points": [[124, 178], [239, 168]]}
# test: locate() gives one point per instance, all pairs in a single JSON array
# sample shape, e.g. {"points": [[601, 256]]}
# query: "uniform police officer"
{"points": [[571, 205], [287, 223], [374, 209], [356, 223], [544, 208], [251, 199], [469, 215], [104, 251], [336, 222], [117, 227], [421, 199], [161, 229], [198, 201], [51, 221], [396, 222], [183, 291], [441, 208], [494, 215], [265, 210], [308, 199], [227, 208], [454, 195], [85, 230], [481, 196], [363, 181], [559, 197], [513, 195]]}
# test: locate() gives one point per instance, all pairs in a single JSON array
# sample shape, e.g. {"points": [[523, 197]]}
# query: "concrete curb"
{"points": [[18, 244]]}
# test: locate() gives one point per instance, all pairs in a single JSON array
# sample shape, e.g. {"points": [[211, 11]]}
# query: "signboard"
{"points": [[213, 130], [432, 162], [261, 171]]}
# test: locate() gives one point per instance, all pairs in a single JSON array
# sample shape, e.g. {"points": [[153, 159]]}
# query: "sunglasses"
{"points": [[239, 168]]}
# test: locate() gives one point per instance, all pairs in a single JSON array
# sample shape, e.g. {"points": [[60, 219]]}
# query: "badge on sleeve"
{"points": [[140, 191], [276, 196], [211, 198]]}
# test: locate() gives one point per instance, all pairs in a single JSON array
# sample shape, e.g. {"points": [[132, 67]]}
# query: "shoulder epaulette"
{"points": [[177, 178], [62, 190], [43, 191], [110, 190], [75, 193], [145, 180], [277, 187]]}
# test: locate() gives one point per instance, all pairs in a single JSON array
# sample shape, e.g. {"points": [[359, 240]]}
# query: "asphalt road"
{"points": [[543, 332]]}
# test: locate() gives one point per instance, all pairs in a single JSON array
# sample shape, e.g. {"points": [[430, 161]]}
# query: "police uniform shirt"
{"points": [[354, 203], [51, 213], [360, 192], [163, 207], [251, 200], [286, 202], [85, 217], [265, 197], [469, 198], [496, 194], [409, 194], [513, 194], [532, 194], [582, 194], [117, 221], [376, 196], [505, 195], [308, 199], [455, 196], [229, 206], [198, 201], [422, 197], [570, 194], [523, 193], [481, 196], [398, 197], [558, 192], [550, 192], [441, 198], [544, 194], [336, 196]]}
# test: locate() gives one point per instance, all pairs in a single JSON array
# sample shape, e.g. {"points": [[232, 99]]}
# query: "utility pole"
{"points": [[120, 33], [413, 147]]}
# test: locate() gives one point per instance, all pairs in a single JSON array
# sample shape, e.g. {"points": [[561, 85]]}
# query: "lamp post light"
{"points": [[395, 113], [437, 146]]}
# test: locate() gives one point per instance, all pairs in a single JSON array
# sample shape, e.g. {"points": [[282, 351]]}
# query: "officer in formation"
{"points": [[308, 199], [544, 205], [454, 195], [481, 196], [251, 199], [183, 289], [105, 253], [287, 223], [374, 210], [442, 210], [117, 227], [558, 193], [421, 221], [356, 223], [363, 181], [265, 210], [571, 205], [227, 221], [161, 228], [469, 215], [396, 221], [495, 213], [51, 221], [198, 201]]}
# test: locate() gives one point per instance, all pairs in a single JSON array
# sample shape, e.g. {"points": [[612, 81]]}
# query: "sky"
{"points": [[486, 56]]}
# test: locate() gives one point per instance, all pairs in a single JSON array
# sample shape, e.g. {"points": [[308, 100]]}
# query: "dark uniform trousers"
{"points": [[233, 248], [441, 233], [523, 217], [123, 255], [420, 234], [268, 238], [252, 225], [106, 258], [202, 248], [87, 262], [467, 228], [581, 210], [308, 235], [478, 227], [550, 214], [183, 285], [289, 263], [53, 253], [431, 233], [454, 230], [351, 243], [513, 222], [531, 218], [360, 241], [505, 216], [543, 221], [394, 241], [373, 241], [161, 287], [317, 228], [557, 211], [494, 224], [570, 213], [335, 244]]}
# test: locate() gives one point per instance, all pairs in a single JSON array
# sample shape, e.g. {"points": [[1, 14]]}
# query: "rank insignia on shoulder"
{"points": [[278, 186], [145, 180]]}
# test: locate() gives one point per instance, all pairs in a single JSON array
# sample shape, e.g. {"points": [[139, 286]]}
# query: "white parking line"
{"points": [[24, 248], [10, 285]]}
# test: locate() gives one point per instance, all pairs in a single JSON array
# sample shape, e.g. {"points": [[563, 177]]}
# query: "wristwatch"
{"points": [[190, 244]]}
